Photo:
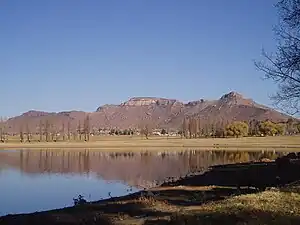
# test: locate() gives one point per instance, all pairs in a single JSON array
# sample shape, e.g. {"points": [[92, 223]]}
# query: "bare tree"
{"points": [[193, 127], [47, 130], [254, 127], [206, 129], [196, 128], [79, 130], [53, 133], [69, 130], [290, 126], [185, 127], [41, 130], [63, 131], [1, 130], [283, 66], [190, 128], [213, 128], [200, 132], [28, 134], [86, 127], [145, 130], [1, 135], [21, 134]]}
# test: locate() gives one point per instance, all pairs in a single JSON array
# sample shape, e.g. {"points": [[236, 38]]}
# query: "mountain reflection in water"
{"points": [[143, 169]]}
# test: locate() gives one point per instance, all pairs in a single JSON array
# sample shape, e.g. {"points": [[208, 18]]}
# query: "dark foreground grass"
{"points": [[191, 201], [268, 207]]}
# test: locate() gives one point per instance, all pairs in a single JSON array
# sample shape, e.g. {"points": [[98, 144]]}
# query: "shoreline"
{"points": [[214, 196]]}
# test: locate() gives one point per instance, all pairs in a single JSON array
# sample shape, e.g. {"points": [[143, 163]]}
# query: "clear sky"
{"points": [[78, 54]]}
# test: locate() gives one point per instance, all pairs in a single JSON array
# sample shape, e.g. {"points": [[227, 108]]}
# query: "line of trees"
{"points": [[196, 128], [191, 128], [121, 132], [48, 132], [3, 134]]}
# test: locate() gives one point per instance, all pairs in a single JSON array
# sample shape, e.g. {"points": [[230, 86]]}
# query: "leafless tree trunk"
{"points": [[185, 127], [63, 131], [283, 67], [28, 133], [253, 127], [190, 128], [145, 131], [69, 130], [227, 123], [195, 127], [47, 130], [213, 128], [220, 128], [53, 133], [2, 130], [199, 128], [1, 135], [41, 130], [21, 134], [79, 130], [206, 129], [87, 128], [290, 126]]}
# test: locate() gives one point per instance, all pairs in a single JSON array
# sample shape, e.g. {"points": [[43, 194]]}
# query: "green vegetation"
{"points": [[237, 129], [197, 128], [270, 129]]}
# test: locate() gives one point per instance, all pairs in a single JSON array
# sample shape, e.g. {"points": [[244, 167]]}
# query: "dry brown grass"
{"points": [[269, 207], [127, 143], [274, 206]]}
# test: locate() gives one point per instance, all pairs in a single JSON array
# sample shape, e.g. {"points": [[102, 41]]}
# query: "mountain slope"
{"points": [[157, 112]]}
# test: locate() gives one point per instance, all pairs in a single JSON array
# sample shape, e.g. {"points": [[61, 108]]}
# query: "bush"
{"points": [[270, 128], [237, 129], [79, 201], [163, 132]]}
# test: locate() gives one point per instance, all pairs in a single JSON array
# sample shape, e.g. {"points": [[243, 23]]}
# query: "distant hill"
{"points": [[159, 112]]}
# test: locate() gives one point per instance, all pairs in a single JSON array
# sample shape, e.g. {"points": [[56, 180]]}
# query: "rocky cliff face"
{"points": [[234, 98], [158, 112], [146, 101]]}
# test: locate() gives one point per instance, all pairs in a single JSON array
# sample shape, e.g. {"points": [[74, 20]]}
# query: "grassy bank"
{"points": [[186, 202], [268, 207], [128, 143]]}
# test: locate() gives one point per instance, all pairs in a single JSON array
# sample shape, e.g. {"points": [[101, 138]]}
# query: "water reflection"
{"points": [[135, 169], [35, 180]]}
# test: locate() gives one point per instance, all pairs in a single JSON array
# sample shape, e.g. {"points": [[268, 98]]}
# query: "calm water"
{"points": [[45, 179]]}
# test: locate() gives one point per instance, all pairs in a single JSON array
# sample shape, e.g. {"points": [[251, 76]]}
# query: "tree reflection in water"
{"points": [[143, 169]]}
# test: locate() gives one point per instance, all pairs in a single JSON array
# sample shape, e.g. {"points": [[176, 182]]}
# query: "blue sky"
{"points": [[70, 54]]}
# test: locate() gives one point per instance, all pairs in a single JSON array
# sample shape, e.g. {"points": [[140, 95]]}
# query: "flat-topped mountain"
{"points": [[158, 112], [141, 101]]}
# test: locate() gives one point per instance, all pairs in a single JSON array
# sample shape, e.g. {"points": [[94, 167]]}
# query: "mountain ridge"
{"points": [[158, 112]]}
